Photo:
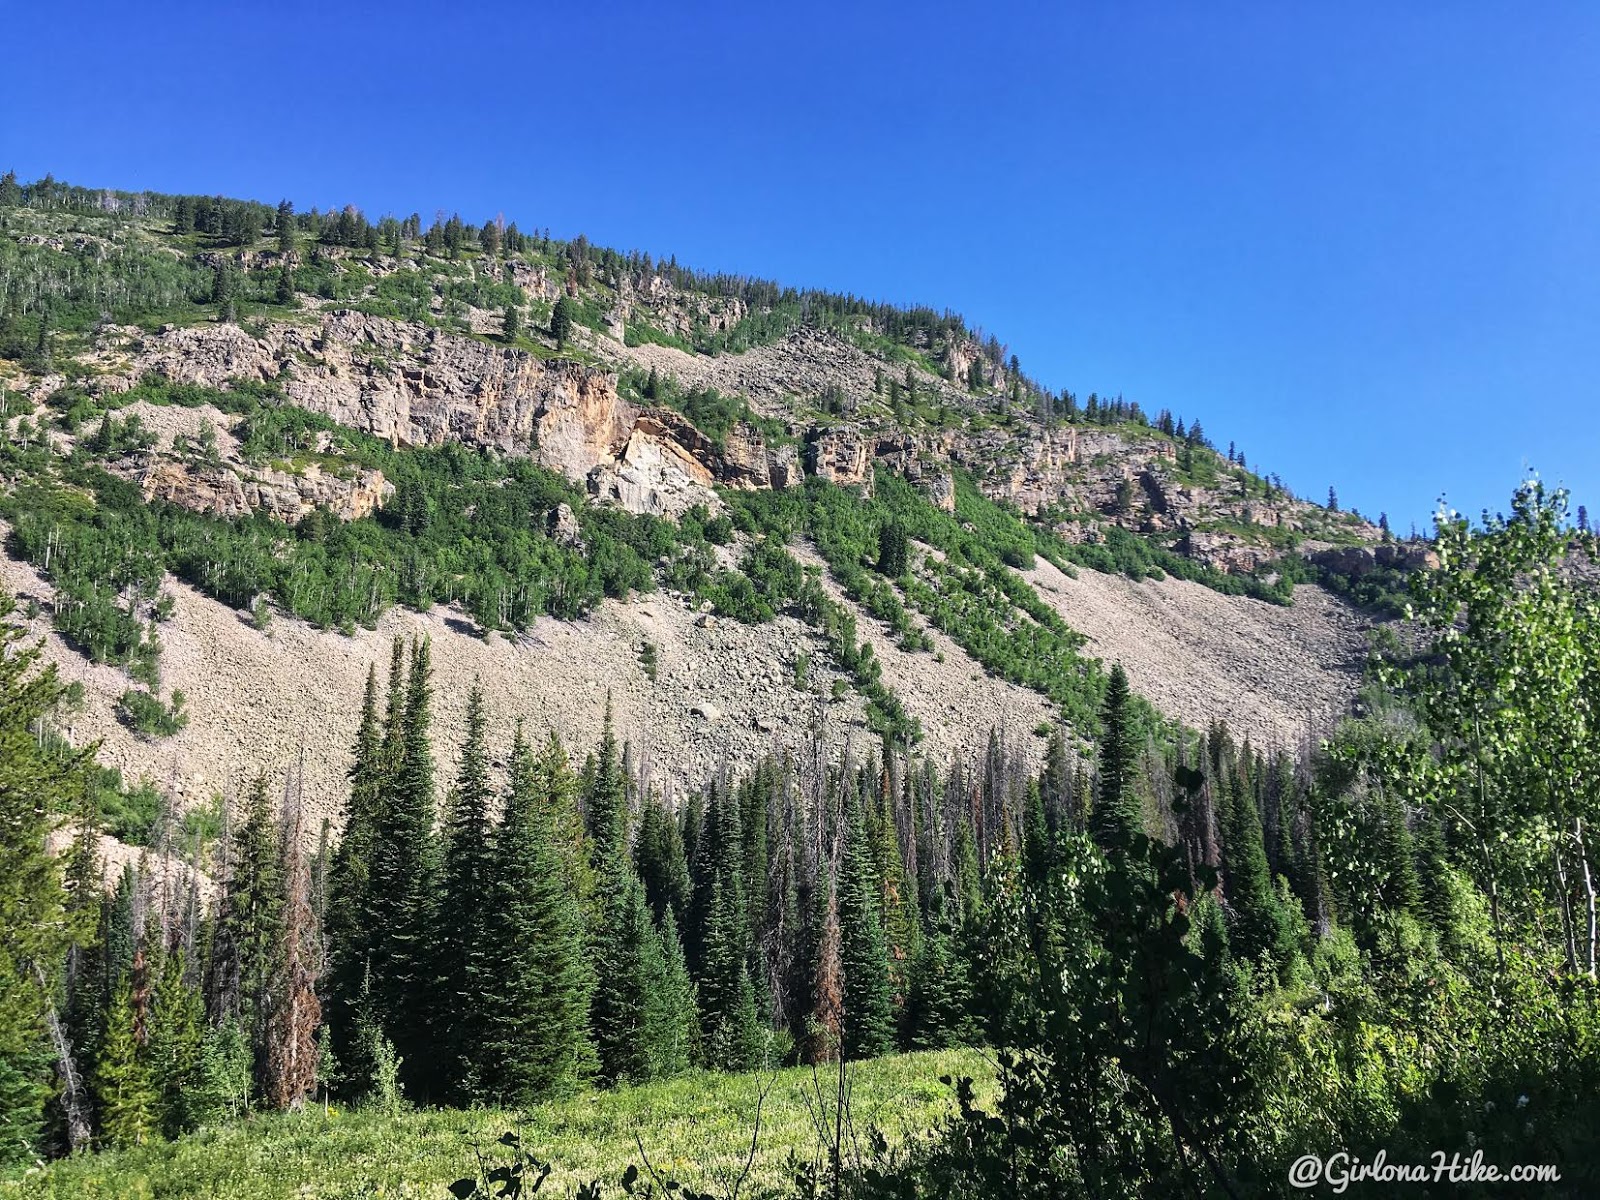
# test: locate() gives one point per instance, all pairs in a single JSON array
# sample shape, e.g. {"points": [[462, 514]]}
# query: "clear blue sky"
{"points": [[1361, 240]]}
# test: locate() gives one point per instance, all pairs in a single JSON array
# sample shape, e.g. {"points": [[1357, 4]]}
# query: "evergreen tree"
{"points": [[901, 923], [349, 922], [662, 864], [177, 1039], [1395, 857], [511, 322], [561, 321], [629, 974], [672, 1017], [728, 1020], [465, 968], [894, 549], [939, 1009], [863, 954], [249, 922], [403, 880], [35, 782], [1116, 813], [123, 1088], [534, 1035], [605, 800], [285, 292], [285, 226], [1260, 929]]}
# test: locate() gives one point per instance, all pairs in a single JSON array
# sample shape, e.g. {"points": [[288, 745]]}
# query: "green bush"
{"points": [[149, 716]]}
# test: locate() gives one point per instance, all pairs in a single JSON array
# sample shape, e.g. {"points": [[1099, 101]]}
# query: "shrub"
{"points": [[148, 716]]}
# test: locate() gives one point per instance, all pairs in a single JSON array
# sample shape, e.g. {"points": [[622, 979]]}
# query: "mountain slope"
{"points": [[368, 436]]}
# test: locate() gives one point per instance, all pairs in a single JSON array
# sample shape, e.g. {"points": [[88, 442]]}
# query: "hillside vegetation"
{"points": [[1194, 952]]}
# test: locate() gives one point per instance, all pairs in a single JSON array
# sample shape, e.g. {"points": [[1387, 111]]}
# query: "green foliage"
{"points": [[697, 1128], [150, 716], [535, 1031], [127, 1096]]}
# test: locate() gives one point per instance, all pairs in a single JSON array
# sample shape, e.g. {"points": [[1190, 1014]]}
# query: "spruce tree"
{"points": [[350, 920], [863, 954], [534, 1037], [672, 1017], [249, 922], [902, 925], [128, 1102], [629, 974], [1260, 929], [728, 1020], [939, 1009], [561, 322], [403, 880], [465, 958], [177, 1038], [605, 800], [1116, 814], [35, 782], [1395, 856], [662, 864]]}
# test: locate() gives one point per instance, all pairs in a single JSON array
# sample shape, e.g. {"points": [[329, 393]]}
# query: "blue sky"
{"points": [[1359, 240]]}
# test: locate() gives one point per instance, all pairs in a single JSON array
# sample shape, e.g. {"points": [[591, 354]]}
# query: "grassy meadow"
{"points": [[696, 1128]]}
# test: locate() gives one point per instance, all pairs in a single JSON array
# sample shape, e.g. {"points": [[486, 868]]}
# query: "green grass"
{"points": [[692, 1128]]}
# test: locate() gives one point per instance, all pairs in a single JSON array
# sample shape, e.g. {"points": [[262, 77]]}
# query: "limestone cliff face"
{"points": [[236, 490], [417, 386]]}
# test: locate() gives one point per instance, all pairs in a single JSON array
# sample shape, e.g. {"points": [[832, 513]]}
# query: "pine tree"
{"points": [[350, 920], [863, 954], [177, 1038], [1116, 814], [285, 292], [898, 897], [1395, 856], [1260, 929], [939, 1009], [465, 965], [122, 1084], [561, 321], [662, 864], [894, 549], [249, 922], [534, 1037], [511, 323], [629, 973], [403, 879], [285, 225], [672, 1017], [34, 783], [731, 1035], [605, 800]]}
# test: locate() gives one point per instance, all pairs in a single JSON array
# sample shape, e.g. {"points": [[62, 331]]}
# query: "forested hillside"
{"points": [[1196, 951]]}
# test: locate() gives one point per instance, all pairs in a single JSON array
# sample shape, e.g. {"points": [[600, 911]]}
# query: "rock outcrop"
{"points": [[236, 490]]}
